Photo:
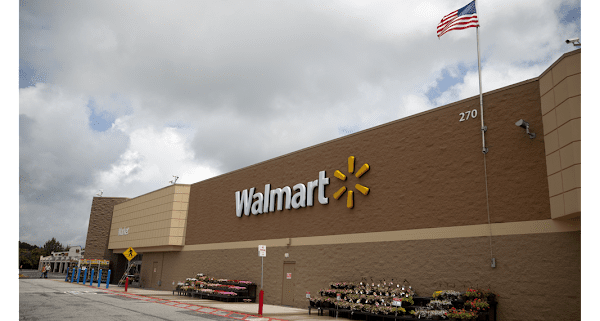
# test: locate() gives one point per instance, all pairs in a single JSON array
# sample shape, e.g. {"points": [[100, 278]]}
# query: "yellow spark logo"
{"points": [[342, 177]]}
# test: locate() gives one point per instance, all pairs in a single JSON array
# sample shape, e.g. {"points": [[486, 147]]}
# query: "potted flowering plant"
{"points": [[488, 295], [356, 306], [352, 297], [318, 302], [461, 314], [408, 300], [343, 305], [446, 294], [400, 310], [471, 294], [327, 302], [477, 304], [392, 310]]}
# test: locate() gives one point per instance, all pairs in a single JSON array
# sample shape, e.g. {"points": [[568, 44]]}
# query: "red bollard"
{"points": [[126, 283], [260, 302]]}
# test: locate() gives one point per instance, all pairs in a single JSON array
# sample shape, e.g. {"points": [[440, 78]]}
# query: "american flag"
{"points": [[463, 18]]}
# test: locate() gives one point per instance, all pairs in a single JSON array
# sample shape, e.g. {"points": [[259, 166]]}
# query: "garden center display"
{"points": [[217, 289], [368, 300]]}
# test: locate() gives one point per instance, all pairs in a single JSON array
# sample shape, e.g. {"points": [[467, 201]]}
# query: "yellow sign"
{"points": [[129, 254]]}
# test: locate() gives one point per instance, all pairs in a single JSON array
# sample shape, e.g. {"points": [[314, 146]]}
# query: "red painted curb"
{"points": [[181, 305]]}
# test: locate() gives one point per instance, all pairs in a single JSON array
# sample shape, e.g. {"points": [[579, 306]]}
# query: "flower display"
{"points": [[478, 304], [446, 294], [472, 293], [391, 299], [218, 288], [224, 293], [461, 314]]}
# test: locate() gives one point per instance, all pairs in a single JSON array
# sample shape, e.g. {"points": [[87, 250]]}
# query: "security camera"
{"points": [[523, 124], [574, 41]]}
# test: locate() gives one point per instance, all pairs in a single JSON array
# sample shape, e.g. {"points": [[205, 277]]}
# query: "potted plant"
{"points": [[488, 295], [327, 302], [318, 302], [461, 314], [471, 294], [356, 306], [477, 304]]}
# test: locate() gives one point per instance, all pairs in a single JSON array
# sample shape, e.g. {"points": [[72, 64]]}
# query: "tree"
{"points": [[27, 246], [52, 246], [30, 259]]}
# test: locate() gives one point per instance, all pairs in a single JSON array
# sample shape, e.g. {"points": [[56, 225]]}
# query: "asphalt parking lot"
{"points": [[47, 299], [54, 299]]}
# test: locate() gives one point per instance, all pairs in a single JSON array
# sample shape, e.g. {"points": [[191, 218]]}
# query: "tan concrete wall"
{"points": [[154, 219], [537, 275], [560, 90], [426, 171]]}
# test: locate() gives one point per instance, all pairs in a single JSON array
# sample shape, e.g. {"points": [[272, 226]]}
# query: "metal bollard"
{"points": [[126, 283], [92, 278], [67, 276], [84, 276], [78, 272], [107, 279], [99, 277], [73, 275]]}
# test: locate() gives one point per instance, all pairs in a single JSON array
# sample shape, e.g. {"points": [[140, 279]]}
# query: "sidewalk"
{"points": [[248, 311]]}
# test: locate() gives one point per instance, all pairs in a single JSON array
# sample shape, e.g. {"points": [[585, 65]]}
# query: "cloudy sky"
{"points": [[120, 96]]}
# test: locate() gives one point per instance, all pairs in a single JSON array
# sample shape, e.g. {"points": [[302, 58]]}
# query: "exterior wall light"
{"points": [[523, 124]]}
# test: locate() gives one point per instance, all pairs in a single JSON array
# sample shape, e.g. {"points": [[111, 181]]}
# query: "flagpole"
{"points": [[483, 127], [485, 150]]}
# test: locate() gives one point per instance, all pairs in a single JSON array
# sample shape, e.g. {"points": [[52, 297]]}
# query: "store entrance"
{"points": [[135, 271], [287, 295]]}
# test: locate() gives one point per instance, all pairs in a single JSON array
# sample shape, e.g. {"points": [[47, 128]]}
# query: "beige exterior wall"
{"points": [[154, 219], [560, 90]]}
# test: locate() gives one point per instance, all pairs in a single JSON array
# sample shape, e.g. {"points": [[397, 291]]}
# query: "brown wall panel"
{"points": [[96, 243], [426, 171], [537, 275]]}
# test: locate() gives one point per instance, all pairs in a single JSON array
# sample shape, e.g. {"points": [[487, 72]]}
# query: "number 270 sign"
{"points": [[262, 250]]}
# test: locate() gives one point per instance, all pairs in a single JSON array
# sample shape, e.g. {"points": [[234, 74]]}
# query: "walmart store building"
{"points": [[424, 217]]}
